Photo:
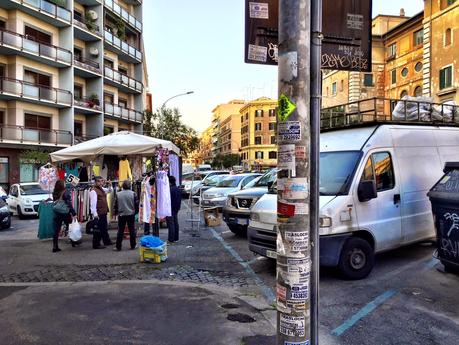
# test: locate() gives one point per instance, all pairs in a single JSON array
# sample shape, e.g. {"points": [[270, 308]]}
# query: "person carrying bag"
{"points": [[62, 209]]}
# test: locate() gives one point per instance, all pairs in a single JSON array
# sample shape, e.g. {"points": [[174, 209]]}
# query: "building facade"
{"points": [[258, 134], [70, 71], [415, 56]]}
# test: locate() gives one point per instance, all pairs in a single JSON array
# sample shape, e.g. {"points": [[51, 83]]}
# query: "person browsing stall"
{"points": [[126, 207], [176, 202], [99, 211], [60, 193]]}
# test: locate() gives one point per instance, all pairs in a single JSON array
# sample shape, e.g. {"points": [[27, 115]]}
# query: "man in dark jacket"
{"points": [[176, 201], [126, 207]]}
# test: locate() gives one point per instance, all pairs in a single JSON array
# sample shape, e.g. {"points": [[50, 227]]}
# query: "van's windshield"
{"points": [[336, 171]]}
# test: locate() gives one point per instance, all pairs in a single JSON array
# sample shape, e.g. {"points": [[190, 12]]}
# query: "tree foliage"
{"points": [[225, 161], [167, 124]]}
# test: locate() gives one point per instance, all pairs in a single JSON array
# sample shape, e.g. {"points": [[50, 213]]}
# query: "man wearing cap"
{"points": [[99, 210]]}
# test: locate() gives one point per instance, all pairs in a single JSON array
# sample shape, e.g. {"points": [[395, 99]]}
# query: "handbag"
{"points": [[60, 207]]}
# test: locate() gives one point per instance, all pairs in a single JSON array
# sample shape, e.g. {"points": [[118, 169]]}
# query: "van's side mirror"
{"points": [[367, 191]]}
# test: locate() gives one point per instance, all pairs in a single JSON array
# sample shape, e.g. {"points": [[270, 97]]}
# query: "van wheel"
{"points": [[238, 230], [356, 259], [20, 215]]}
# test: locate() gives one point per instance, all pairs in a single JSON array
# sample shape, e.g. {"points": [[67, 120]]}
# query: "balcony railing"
{"points": [[383, 110], [20, 88], [82, 138], [89, 103], [123, 46], [125, 15], [89, 64], [25, 44], [80, 21], [123, 79], [123, 113], [21, 134], [49, 8]]}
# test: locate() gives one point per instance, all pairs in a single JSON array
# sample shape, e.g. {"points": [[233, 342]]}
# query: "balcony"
{"points": [[123, 14], [122, 81], [85, 30], [133, 2], [46, 137], [127, 114], [87, 105], [86, 68], [44, 10], [13, 89], [82, 138], [12, 43], [125, 51]]}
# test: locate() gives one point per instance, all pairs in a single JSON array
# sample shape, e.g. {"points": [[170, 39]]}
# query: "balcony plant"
{"points": [[60, 3], [93, 101], [90, 22], [120, 29], [34, 156]]}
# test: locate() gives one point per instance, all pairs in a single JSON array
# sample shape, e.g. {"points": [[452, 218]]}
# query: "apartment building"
{"points": [[70, 70], [258, 134], [225, 131], [414, 56]]}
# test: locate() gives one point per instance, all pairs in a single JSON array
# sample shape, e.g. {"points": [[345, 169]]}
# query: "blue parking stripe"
{"points": [[363, 312]]}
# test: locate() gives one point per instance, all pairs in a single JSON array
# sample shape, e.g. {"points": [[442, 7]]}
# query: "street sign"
{"points": [[261, 31], [346, 25], [346, 28]]}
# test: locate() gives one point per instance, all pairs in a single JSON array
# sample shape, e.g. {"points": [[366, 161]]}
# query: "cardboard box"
{"points": [[212, 217]]}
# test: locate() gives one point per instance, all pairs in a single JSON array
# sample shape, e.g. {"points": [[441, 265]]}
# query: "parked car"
{"points": [[206, 184], [24, 198], [192, 181], [236, 212], [216, 196], [373, 193], [3, 194], [5, 216]]}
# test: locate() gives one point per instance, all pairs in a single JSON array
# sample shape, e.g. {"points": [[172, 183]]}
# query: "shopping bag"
{"points": [[75, 231]]}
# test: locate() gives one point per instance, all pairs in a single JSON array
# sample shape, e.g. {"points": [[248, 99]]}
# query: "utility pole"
{"points": [[298, 154]]}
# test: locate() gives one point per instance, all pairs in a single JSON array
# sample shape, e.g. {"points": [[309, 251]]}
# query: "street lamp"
{"points": [[164, 104]]}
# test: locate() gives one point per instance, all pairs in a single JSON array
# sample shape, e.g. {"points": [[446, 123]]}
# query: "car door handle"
{"points": [[396, 199]]}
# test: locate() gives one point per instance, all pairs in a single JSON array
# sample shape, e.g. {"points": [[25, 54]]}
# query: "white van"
{"points": [[373, 193]]}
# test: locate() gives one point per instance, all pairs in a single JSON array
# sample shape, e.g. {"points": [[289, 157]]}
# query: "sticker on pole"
{"points": [[297, 343], [290, 131], [286, 107], [292, 326], [259, 10]]}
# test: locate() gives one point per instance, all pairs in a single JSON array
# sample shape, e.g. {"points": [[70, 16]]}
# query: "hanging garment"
{"points": [[46, 222], [71, 171], [96, 170], [124, 171], [174, 168], [163, 206], [136, 167], [83, 174], [146, 201], [61, 173], [152, 203], [47, 177], [104, 172]]}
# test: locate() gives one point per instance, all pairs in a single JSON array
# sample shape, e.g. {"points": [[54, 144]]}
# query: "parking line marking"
{"points": [[432, 262], [266, 290], [225, 232], [363, 312]]}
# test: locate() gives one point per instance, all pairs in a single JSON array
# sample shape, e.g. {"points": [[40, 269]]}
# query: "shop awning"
{"points": [[120, 143]]}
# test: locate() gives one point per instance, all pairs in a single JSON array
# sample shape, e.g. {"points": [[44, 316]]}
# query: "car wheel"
{"points": [[238, 230], [356, 259], [449, 268], [7, 225], [20, 215]]}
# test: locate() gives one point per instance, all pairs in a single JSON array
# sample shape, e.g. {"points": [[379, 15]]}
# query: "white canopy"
{"points": [[119, 143]]}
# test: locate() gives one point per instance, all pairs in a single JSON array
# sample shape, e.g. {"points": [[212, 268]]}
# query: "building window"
{"points": [[327, 93], [77, 92], [257, 140], [272, 112], [403, 94], [273, 140], [418, 67], [78, 129], [447, 37], [32, 121], [108, 130], [272, 155], [418, 37], [242, 118], [122, 103], [450, 2], [259, 154], [368, 79], [334, 90], [4, 175], [258, 126], [392, 52], [272, 126], [393, 78], [341, 88], [418, 91], [246, 116], [108, 98], [28, 171], [2, 118], [404, 72], [446, 77], [259, 113]]}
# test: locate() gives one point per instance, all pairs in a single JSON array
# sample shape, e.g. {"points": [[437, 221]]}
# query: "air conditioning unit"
{"points": [[93, 51], [92, 14]]}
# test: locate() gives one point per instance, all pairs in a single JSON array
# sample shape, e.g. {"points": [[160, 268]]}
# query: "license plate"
{"points": [[271, 254], [206, 202], [242, 221]]}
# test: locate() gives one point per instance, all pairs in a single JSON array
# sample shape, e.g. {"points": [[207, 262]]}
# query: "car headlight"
{"points": [[325, 222], [4, 209], [219, 195], [28, 201], [255, 217]]}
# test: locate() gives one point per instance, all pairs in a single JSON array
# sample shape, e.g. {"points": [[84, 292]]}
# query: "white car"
{"points": [[24, 199]]}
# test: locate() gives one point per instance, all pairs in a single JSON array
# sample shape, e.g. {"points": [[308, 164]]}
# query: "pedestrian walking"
{"points": [[99, 211], [176, 202], [126, 207], [63, 211]]}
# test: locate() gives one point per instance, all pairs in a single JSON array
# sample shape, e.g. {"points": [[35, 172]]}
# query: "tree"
{"points": [[167, 124], [226, 161]]}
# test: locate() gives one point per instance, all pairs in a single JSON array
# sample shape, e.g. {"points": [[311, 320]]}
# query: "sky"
{"points": [[199, 46]]}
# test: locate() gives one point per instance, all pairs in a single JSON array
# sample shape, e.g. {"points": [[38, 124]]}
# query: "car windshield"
{"points": [[2, 203], [187, 177], [213, 180], [34, 189], [270, 176], [336, 171], [252, 183], [232, 181]]}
